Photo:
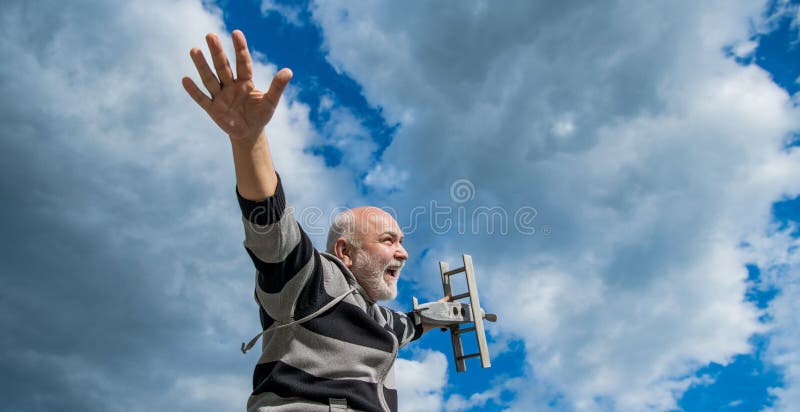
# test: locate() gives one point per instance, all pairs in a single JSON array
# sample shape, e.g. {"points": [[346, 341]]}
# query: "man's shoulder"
{"points": [[334, 265], [338, 277]]}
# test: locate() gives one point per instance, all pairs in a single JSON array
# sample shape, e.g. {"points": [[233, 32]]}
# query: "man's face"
{"points": [[377, 263]]}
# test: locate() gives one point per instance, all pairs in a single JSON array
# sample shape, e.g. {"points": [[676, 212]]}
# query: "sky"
{"points": [[622, 173]]}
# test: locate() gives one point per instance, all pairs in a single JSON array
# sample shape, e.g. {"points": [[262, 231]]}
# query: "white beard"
{"points": [[371, 275]]}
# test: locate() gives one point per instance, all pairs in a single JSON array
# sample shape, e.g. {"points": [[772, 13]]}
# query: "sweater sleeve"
{"points": [[282, 253], [402, 326]]}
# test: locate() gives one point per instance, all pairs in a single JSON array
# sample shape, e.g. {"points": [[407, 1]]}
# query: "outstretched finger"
{"points": [[220, 60], [197, 95], [279, 83], [206, 75], [244, 65]]}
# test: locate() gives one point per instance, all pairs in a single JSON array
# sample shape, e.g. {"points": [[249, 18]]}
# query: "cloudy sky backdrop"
{"points": [[623, 173]]}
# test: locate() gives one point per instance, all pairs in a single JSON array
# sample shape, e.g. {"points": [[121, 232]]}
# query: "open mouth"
{"points": [[392, 272]]}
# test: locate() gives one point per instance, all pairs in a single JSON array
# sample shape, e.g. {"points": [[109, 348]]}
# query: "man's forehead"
{"points": [[375, 220]]}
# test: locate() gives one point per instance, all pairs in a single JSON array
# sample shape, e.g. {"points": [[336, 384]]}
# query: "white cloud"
{"points": [[564, 127], [776, 255], [780, 10], [796, 17], [386, 177], [289, 12], [678, 157], [745, 48], [457, 402], [348, 135], [421, 381], [123, 162]]}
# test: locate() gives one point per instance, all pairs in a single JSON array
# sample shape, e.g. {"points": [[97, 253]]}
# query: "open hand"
{"points": [[235, 105]]}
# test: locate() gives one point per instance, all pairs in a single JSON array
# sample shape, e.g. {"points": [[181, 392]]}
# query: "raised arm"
{"points": [[241, 111], [282, 253]]}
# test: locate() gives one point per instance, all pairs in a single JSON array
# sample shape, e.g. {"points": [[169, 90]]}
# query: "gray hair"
{"points": [[344, 225]]}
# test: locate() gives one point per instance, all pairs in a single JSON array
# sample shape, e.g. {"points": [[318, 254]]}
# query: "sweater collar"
{"points": [[348, 275]]}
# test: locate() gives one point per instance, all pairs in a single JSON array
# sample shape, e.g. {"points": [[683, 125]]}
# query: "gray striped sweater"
{"points": [[325, 343]]}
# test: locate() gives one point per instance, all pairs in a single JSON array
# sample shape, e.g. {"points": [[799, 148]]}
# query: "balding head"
{"points": [[353, 224]]}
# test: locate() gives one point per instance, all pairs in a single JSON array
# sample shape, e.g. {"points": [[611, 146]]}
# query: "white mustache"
{"points": [[395, 265]]}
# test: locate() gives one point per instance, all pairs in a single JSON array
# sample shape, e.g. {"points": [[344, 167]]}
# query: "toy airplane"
{"points": [[452, 315]]}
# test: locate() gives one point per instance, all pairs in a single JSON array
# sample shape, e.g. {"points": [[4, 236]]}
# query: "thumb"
{"points": [[279, 83]]}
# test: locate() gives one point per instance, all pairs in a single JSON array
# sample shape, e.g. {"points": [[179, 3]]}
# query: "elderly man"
{"points": [[326, 344]]}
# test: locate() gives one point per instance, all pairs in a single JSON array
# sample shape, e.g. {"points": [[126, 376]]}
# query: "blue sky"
{"points": [[653, 147]]}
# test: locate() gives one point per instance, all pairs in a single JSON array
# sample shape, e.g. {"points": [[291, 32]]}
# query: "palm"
{"points": [[236, 106], [241, 110]]}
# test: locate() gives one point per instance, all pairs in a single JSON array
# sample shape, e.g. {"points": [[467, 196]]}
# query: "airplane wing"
{"points": [[456, 329]]}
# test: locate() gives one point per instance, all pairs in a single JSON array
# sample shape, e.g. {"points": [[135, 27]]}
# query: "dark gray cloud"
{"points": [[125, 286]]}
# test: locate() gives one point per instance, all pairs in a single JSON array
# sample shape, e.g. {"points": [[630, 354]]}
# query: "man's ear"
{"points": [[344, 251]]}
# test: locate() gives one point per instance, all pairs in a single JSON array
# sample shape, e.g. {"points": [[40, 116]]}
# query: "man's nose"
{"points": [[401, 253]]}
